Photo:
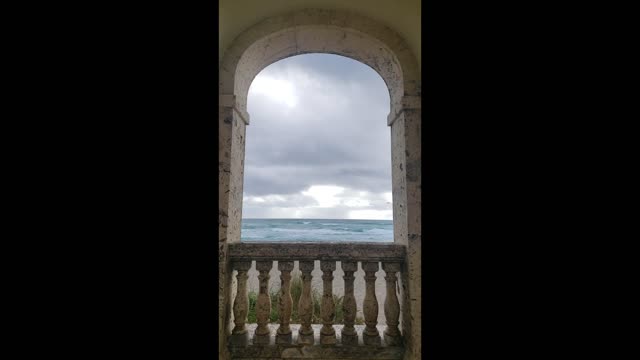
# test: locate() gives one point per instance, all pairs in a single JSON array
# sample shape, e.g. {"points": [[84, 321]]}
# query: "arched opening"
{"points": [[357, 37], [317, 169], [318, 153]]}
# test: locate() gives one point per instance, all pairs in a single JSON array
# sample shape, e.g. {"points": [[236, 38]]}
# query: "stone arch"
{"points": [[342, 33], [321, 31]]}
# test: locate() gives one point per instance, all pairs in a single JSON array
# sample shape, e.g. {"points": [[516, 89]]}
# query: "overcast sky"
{"points": [[318, 145]]}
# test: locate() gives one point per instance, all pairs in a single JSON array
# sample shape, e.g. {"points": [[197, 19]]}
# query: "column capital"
{"points": [[306, 266], [349, 266], [370, 266], [326, 266], [242, 265], [229, 100], [285, 265], [407, 103], [264, 265], [391, 267]]}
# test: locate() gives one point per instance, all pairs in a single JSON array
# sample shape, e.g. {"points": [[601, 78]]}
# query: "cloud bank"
{"points": [[318, 145]]}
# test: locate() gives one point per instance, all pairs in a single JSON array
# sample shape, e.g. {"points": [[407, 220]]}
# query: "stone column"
{"points": [[349, 308], [231, 137], [406, 160], [263, 305], [391, 305], [283, 335], [305, 305], [370, 336], [327, 307], [239, 334], [411, 120]]}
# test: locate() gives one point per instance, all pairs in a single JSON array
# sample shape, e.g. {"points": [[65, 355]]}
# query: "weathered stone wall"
{"points": [[357, 37]]}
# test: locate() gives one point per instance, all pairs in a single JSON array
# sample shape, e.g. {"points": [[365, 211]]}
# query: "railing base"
{"points": [[306, 339], [392, 340], [297, 350], [371, 335], [239, 340], [328, 339], [350, 339], [262, 339], [284, 338]]}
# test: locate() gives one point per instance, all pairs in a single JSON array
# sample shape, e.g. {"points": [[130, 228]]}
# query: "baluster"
{"points": [[263, 305], [370, 335], [239, 334], [305, 307], [349, 334], [391, 305], [283, 335], [327, 307]]}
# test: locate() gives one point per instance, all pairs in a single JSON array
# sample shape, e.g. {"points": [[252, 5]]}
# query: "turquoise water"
{"points": [[316, 230]]}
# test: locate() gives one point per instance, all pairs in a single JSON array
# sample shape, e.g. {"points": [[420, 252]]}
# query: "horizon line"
{"points": [[312, 219]]}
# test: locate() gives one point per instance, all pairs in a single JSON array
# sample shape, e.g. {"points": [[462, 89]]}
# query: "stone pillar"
{"points": [[406, 162], [263, 305], [327, 333], [370, 336], [231, 137], [349, 308], [224, 266], [391, 305], [413, 266], [239, 334], [284, 335], [305, 305]]}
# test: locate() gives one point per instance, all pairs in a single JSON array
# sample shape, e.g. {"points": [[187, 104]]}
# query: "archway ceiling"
{"points": [[403, 16]]}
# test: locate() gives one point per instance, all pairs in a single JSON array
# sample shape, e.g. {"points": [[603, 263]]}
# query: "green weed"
{"points": [[296, 292]]}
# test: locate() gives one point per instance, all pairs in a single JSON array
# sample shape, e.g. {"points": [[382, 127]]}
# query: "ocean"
{"points": [[311, 230]]}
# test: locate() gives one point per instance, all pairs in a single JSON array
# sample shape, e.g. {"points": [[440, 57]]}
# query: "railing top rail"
{"points": [[282, 251]]}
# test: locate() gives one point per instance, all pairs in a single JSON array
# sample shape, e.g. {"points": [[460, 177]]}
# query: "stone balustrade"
{"points": [[369, 255]]}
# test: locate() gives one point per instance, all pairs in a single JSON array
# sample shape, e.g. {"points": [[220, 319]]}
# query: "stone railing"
{"points": [[303, 339]]}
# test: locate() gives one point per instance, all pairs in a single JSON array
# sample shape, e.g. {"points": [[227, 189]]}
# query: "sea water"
{"points": [[313, 230]]}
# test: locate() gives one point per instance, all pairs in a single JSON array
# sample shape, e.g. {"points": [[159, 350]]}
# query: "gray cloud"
{"points": [[280, 179], [316, 119]]}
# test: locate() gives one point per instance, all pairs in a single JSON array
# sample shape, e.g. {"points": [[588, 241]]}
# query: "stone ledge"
{"points": [[276, 251]]}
